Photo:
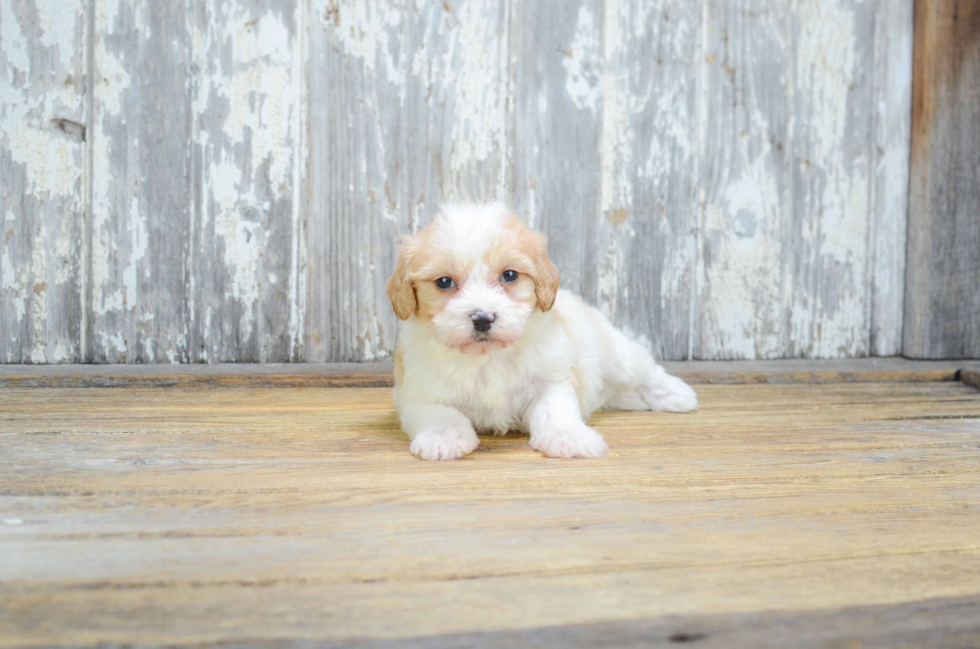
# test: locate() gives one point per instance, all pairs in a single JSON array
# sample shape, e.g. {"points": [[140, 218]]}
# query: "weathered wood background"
{"points": [[942, 304], [224, 180]]}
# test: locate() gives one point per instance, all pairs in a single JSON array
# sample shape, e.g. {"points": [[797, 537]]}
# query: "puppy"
{"points": [[490, 344]]}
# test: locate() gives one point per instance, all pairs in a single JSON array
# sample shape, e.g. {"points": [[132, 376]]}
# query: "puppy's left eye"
{"points": [[509, 276]]}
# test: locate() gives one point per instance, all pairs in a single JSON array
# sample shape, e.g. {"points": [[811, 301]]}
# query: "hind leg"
{"points": [[661, 391], [640, 384], [626, 397], [657, 390]]}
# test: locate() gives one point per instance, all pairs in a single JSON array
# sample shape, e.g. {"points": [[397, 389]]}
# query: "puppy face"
{"points": [[474, 276]]}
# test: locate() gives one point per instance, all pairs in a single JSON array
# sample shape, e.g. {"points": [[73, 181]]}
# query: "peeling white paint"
{"points": [[240, 237], [255, 89], [56, 29], [826, 57], [40, 91], [114, 268], [298, 277], [247, 101], [13, 286], [15, 51], [583, 63], [616, 134], [39, 305], [744, 277], [480, 120], [615, 188], [111, 82], [113, 341], [51, 163], [893, 95], [435, 84], [362, 29], [138, 245]]}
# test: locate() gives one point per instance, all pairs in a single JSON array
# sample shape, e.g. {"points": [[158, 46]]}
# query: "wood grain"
{"points": [[325, 375], [137, 247], [785, 246], [42, 188], [947, 623], [970, 377], [183, 516], [193, 253], [942, 303], [245, 256], [892, 88]]}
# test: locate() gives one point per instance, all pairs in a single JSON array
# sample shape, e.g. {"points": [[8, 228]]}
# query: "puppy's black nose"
{"points": [[481, 321]]}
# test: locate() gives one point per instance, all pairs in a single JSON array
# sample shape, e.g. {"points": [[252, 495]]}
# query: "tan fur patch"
{"points": [[399, 367], [400, 289], [412, 290], [532, 245]]}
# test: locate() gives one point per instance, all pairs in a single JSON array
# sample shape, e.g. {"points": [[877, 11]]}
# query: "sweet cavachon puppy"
{"points": [[490, 344]]}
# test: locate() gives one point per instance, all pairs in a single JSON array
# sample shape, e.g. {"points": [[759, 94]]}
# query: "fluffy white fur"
{"points": [[548, 361]]}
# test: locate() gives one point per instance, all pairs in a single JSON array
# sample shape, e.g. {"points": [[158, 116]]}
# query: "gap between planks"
{"points": [[317, 375]]}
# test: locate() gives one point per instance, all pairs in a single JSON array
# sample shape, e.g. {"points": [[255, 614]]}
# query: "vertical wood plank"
{"points": [[42, 139], [645, 239], [557, 169], [141, 195], [408, 106], [244, 261], [942, 301], [785, 265], [832, 136], [890, 161]]}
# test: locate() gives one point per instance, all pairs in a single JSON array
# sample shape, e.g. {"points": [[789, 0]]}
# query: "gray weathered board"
{"points": [[225, 180], [942, 304]]}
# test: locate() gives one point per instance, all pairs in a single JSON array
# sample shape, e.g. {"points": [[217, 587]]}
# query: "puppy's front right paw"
{"points": [[444, 443], [572, 441]]}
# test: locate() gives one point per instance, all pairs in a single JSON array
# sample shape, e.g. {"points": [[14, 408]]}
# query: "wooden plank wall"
{"points": [[723, 179], [42, 187], [942, 304]]}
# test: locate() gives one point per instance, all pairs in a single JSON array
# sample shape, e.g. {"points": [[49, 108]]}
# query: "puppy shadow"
{"points": [[387, 429], [513, 440]]}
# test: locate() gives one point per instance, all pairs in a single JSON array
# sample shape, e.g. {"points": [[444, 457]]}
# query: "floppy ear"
{"points": [[401, 290], [546, 277]]}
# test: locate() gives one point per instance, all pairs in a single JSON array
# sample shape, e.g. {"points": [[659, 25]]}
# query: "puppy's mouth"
{"points": [[481, 344]]}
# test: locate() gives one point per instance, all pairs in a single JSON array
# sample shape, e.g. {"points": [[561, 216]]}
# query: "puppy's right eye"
{"points": [[445, 283]]}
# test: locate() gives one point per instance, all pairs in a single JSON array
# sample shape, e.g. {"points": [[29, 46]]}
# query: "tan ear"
{"points": [[400, 289], [546, 278]]}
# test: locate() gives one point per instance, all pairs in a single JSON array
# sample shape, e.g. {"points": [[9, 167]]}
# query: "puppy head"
{"points": [[474, 276]]}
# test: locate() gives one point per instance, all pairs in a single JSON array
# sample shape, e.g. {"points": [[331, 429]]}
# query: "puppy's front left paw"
{"points": [[444, 443], [571, 441], [671, 394]]}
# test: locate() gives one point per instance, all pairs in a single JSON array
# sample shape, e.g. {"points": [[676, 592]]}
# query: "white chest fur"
{"points": [[494, 390]]}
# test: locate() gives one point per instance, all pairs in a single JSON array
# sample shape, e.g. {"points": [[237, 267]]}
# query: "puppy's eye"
{"points": [[509, 276], [445, 283]]}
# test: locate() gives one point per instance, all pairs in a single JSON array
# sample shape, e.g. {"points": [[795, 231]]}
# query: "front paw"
{"points": [[671, 394], [570, 441], [444, 443]]}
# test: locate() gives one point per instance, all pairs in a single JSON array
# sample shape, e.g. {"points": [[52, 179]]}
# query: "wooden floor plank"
{"points": [[952, 623], [295, 375], [179, 516]]}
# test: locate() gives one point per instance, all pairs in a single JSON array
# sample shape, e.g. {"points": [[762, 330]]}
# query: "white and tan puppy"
{"points": [[490, 344]]}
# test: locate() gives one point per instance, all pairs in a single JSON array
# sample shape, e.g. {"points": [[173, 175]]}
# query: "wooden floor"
{"points": [[777, 515]]}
